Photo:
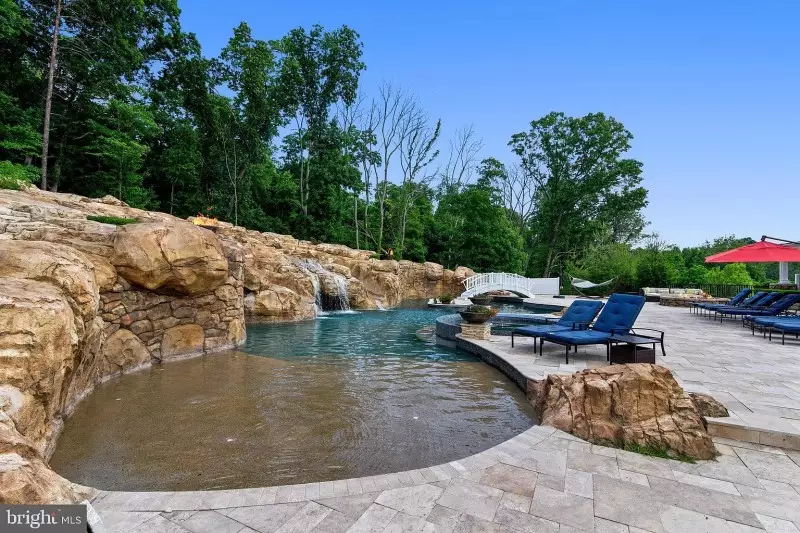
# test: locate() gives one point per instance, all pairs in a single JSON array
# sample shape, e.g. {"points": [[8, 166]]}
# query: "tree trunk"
{"points": [[49, 100], [171, 197], [355, 218]]}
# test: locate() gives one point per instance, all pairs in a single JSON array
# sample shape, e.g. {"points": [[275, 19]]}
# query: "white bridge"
{"points": [[499, 281]]}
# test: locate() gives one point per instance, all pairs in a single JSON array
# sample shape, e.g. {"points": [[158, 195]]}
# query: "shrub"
{"points": [[481, 310], [16, 177], [117, 221], [446, 298]]}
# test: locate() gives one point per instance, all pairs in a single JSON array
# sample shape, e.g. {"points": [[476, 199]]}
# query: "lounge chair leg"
{"points": [[512, 342], [534, 345], [663, 353], [567, 354]]}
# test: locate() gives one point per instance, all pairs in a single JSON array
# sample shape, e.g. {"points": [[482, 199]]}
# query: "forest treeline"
{"points": [[276, 133]]}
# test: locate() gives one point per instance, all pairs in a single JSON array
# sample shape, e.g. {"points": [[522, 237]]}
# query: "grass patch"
{"points": [[117, 221], [653, 451]]}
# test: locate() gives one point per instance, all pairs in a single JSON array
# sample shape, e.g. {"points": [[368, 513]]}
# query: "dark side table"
{"points": [[634, 347]]}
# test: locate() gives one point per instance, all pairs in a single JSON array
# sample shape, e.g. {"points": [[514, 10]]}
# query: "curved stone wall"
{"points": [[82, 301]]}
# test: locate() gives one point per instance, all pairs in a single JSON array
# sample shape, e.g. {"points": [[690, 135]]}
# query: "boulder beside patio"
{"points": [[637, 404]]}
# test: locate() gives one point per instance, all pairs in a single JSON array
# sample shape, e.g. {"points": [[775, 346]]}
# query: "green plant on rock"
{"points": [[446, 298], [117, 221], [16, 177]]}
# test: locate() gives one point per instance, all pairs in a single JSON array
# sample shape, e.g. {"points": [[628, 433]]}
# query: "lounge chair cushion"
{"points": [[538, 331], [579, 337], [620, 313], [580, 311]]}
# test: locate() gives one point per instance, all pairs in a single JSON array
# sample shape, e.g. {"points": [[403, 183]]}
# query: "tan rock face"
{"points": [[638, 403], [58, 265], [123, 351], [279, 303], [176, 256], [707, 406], [38, 343], [182, 340], [30, 481]]}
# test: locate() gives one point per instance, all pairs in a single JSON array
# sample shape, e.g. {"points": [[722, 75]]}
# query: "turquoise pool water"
{"points": [[346, 395]]}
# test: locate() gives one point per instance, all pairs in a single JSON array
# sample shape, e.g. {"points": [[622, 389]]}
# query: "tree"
{"points": [[582, 183], [318, 69], [471, 228], [244, 125], [417, 152], [731, 274], [462, 160], [119, 142]]}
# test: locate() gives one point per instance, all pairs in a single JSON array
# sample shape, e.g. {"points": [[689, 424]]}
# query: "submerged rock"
{"points": [[636, 404]]}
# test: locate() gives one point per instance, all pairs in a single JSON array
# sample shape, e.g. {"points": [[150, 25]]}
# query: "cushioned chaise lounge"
{"points": [[616, 318], [578, 316], [785, 327], [765, 322], [736, 300], [753, 300], [771, 307]]}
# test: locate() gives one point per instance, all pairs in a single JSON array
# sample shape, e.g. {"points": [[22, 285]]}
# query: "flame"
{"points": [[201, 220]]}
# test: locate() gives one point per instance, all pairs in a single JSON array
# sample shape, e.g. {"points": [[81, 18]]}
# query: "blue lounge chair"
{"points": [[616, 318], [736, 300], [764, 303], [764, 322], [753, 300], [777, 307], [785, 327], [578, 316]]}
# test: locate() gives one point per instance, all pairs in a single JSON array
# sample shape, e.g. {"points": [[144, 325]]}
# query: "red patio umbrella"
{"points": [[758, 252]]}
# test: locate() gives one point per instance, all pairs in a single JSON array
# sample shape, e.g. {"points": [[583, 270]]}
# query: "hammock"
{"points": [[579, 284]]}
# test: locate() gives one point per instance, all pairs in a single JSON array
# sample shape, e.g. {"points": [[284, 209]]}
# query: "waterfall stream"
{"points": [[330, 288]]}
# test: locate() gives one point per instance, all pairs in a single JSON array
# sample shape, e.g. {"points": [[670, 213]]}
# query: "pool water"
{"points": [[346, 395]]}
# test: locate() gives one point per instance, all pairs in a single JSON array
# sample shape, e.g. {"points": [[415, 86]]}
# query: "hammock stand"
{"points": [[579, 284]]}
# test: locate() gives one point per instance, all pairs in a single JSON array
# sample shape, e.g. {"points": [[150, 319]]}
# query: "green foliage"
{"points": [[655, 451], [731, 274], [583, 186], [607, 261], [471, 228], [14, 176], [480, 310], [446, 298], [117, 221], [269, 134]]}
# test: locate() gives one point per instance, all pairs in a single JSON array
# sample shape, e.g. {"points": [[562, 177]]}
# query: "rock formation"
{"points": [[82, 301], [707, 406], [623, 404]]}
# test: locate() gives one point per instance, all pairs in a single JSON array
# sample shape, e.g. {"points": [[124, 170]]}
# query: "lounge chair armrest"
{"points": [[619, 331], [660, 336], [580, 326]]}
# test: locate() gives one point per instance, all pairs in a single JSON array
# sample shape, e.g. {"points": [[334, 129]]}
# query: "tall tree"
{"points": [[582, 183], [318, 69]]}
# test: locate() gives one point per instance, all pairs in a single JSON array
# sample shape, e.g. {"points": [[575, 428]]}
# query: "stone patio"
{"points": [[545, 480]]}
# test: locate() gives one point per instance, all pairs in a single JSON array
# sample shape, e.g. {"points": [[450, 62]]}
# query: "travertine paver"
{"points": [[543, 480]]}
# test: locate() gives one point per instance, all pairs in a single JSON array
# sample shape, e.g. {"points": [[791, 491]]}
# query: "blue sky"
{"points": [[709, 89]]}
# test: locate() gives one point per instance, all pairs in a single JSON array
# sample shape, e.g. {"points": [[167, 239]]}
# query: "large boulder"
{"points": [[61, 266], [188, 339], [176, 257], [279, 303], [123, 351], [38, 343], [30, 481], [637, 404]]}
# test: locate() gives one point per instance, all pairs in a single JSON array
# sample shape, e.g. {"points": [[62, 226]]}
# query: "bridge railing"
{"points": [[504, 280]]}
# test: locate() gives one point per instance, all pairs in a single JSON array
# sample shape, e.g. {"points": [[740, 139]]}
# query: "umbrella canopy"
{"points": [[758, 252]]}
